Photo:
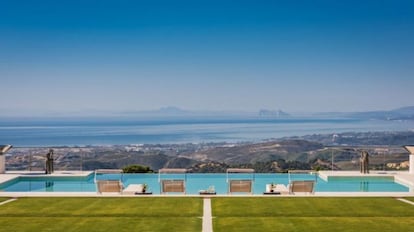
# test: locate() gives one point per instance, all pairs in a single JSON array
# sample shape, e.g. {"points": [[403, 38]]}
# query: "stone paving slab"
{"points": [[207, 216]]}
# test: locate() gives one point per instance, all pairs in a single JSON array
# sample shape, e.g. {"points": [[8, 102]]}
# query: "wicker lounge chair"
{"points": [[173, 186], [301, 186], [241, 186], [109, 186]]}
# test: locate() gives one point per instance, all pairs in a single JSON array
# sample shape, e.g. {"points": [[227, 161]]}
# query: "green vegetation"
{"points": [[312, 214], [230, 214], [136, 168], [314, 152], [101, 214], [280, 165]]}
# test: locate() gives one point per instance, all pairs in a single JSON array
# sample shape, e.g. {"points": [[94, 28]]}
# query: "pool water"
{"points": [[196, 182], [49, 184]]}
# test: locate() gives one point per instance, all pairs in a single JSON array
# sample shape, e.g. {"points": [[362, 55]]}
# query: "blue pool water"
{"points": [[196, 182]]}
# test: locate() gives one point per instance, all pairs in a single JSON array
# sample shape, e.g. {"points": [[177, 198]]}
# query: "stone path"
{"points": [[8, 201], [207, 217], [405, 201]]}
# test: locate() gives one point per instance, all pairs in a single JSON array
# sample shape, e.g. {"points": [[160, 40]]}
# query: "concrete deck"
{"points": [[326, 174], [7, 177], [55, 174], [405, 179]]}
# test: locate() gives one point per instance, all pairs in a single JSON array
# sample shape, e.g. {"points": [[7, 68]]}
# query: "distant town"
{"points": [[315, 152]]}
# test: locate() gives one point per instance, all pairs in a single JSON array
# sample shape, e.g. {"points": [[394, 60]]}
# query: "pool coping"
{"points": [[401, 177]]}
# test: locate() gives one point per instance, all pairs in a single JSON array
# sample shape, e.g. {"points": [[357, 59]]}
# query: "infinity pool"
{"points": [[196, 182]]}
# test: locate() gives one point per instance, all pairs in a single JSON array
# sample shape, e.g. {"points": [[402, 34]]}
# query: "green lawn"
{"points": [[230, 214], [102, 214], [312, 214], [410, 198]]}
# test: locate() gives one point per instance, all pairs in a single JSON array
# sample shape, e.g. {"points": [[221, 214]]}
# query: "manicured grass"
{"points": [[230, 214], [300, 224], [101, 214], [99, 224], [409, 198], [312, 214]]}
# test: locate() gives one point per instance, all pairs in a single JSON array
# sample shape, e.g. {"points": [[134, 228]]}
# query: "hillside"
{"points": [[307, 152], [257, 152]]}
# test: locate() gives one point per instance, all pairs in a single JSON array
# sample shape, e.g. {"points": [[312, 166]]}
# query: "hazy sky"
{"points": [[77, 56]]}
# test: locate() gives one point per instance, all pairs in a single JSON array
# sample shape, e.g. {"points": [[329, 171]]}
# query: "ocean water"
{"points": [[71, 132]]}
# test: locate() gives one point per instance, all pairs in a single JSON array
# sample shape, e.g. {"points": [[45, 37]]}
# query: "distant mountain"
{"points": [[178, 112], [171, 110], [404, 113], [273, 113], [256, 152], [164, 111]]}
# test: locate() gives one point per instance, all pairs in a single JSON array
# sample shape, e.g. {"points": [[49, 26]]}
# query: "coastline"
{"points": [[52, 133], [273, 155]]}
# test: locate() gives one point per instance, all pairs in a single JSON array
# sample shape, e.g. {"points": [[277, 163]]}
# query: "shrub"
{"points": [[135, 168]]}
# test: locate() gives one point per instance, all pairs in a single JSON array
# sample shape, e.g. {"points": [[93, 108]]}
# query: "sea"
{"points": [[115, 131]]}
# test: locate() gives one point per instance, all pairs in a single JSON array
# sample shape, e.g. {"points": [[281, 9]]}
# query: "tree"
{"points": [[136, 168]]}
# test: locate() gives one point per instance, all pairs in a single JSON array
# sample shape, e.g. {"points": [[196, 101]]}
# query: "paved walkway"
{"points": [[207, 218], [8, 201], [405, 201]]}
